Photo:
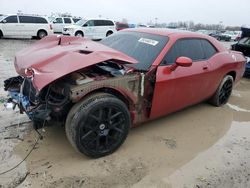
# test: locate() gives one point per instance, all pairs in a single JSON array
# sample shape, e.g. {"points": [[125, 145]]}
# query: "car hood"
{"points": [[56, 56]]}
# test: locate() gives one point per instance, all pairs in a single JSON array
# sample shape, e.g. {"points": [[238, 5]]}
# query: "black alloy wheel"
{"points": [[98, 125], [223, 92]]}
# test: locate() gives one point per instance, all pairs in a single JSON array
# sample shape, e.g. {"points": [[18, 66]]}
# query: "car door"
{"points": [[89, 29], [184, 86], [10, 25], [58, 25], [67, 22], [99, 26], [26, 26]]}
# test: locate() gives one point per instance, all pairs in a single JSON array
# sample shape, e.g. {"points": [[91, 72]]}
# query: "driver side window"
{"points": [[191, 48], [89, 23], [58, 21], [11, 19]]}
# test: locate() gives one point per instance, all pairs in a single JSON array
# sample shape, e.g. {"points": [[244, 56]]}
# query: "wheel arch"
{"points": [[233, 74], [109, 31], [41, 30], [120, 95], [1, 33], [79, 31]]}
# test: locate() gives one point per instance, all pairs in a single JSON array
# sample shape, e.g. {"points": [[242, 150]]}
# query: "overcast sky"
{"points": [[230, 12]]}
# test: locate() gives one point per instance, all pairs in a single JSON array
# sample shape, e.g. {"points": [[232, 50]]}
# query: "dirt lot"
{"points": [[201, 146]]}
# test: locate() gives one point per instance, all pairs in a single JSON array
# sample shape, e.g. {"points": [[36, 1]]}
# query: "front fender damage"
{"points": [[55, 100]]}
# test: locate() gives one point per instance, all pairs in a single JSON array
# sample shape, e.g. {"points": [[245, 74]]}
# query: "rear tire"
{"points": [[98, 125], [41, 34], [223, 92], [109, 33]]}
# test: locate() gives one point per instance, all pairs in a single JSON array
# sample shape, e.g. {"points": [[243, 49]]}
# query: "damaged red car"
{"points": [[99, 90]]}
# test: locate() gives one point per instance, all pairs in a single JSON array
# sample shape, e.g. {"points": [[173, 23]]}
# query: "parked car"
{"points": [[92, 28], [245, 32], [101, 89], [120, 26], [243, 46], [219, 36], [60, 22], [205, 32], [234, 35], [24, 26]]}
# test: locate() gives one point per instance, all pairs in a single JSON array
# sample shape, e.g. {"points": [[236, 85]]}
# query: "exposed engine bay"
{"points": [[55, 100]]}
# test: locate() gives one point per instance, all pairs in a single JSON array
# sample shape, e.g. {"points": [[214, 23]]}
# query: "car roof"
{"points": [[98, 19], [168, 32], [6, 15]]}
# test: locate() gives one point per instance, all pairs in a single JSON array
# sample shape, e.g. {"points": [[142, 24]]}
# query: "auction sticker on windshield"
{"points": [[148, 41]]}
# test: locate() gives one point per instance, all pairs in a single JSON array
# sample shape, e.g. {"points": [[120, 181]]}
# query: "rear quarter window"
{"points": [[208, 48], [67, 20], [109, 23], [32, 19]]}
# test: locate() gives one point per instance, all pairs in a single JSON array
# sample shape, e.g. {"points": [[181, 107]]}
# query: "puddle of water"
{"points": [[225, 164]]}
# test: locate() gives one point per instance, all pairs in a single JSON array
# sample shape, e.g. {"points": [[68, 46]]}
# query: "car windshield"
{"points": [[80, 22], [143, 47], [2, 17], [51, 19], [245, 41]]}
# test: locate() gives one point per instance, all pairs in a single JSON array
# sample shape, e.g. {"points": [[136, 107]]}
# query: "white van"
{"points": [[60, 22], [92, 28], [24, 26]]}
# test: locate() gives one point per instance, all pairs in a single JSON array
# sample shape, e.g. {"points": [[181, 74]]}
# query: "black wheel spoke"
{"points": [[86, 135], [115, 115], [109, 114], [106, 140], [100, 114], [225, 92], [118, 129], [94, 117], [97, 142]]}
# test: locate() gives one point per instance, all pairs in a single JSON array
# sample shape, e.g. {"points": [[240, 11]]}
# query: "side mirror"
{"points": [[84, 25], [4, 21], [183, 62]]}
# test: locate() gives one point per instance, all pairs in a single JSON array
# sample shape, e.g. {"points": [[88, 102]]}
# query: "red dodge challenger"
{"points": [[101, 89]]}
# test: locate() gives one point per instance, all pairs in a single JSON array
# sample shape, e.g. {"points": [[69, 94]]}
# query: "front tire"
{"points": [[98, 125], [79, 34], [223, 92], [1, 34]]}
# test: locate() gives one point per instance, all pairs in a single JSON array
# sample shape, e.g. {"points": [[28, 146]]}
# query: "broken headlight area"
{"points": [[41, 106], [55, 100]]}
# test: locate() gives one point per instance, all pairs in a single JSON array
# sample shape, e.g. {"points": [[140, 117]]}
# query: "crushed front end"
{"points": [[37, 105], [53, 102]]}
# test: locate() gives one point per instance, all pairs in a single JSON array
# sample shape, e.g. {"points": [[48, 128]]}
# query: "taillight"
{"points": [[50, 26]]}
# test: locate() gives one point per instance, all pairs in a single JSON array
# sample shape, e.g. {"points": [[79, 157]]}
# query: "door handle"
{"points": [[205, 68]]}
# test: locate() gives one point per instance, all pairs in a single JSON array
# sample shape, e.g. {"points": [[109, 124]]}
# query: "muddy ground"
{"points": [[201, 146]]}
